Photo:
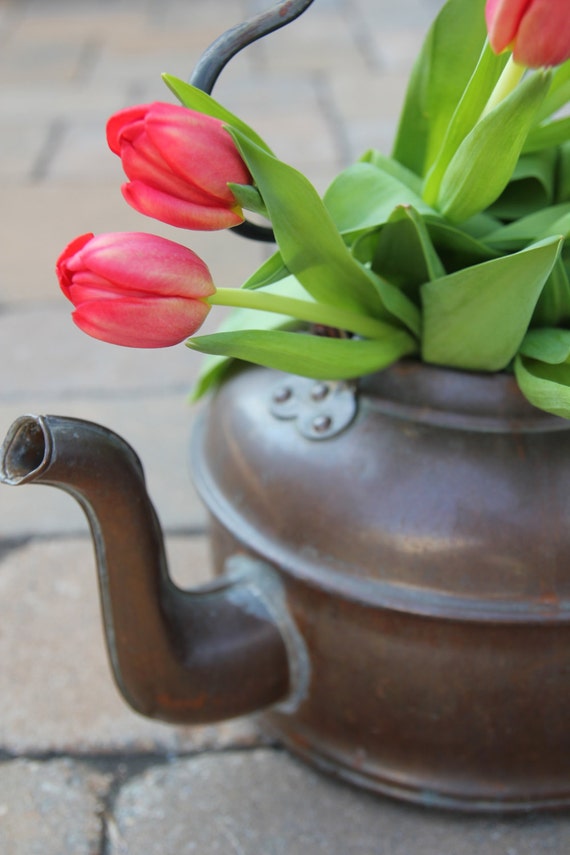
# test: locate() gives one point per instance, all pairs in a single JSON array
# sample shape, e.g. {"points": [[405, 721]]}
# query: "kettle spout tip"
{"points": [[25, 450]]}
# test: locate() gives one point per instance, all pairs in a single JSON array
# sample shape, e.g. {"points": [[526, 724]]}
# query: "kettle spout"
{"points": [[187, 657]]}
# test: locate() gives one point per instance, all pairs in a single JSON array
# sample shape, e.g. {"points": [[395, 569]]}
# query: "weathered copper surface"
{"points": [[425, 554], [398, 589]]}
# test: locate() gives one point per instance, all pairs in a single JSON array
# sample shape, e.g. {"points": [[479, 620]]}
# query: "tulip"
{"points": [[537, 31], [179, 163], [135, 289]]}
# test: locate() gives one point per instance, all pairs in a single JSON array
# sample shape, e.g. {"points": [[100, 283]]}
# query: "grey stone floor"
{"points": [[79, 772]]}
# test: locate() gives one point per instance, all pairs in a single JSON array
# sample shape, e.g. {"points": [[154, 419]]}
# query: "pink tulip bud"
{"points": [[135, 289], [537, 31], [179, 163]]}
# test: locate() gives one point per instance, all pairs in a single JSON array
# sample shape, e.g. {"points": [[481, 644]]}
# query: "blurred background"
{"points": [[320, 91]]}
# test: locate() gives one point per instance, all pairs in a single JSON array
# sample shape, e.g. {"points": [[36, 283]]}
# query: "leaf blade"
{"points": [[310, 244], [319, 357], [476, 318], [473, 179], [363, 197], [545, 387], [195, 99], [454, 41]]}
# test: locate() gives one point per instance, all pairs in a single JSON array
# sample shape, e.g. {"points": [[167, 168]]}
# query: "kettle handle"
{"points": [[223, 49]]}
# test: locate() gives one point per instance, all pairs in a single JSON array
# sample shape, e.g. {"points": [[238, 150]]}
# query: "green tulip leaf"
{"points": [[248, 197], [441, 73], [214, 367], [476, 318], [485, 161], [363, 246], [478, 226], [214, 371], [553, 307], [455, 247], [545, 386], [404, 254], [272, 270], [398, 305], [320, 357], [554, 220], [548, 135], [550, 345], [563, 175], [465, 117], [364, 196], [531, 188], [542, 369], [310, 244], [195, 99], [559, 92], [387, 164]]}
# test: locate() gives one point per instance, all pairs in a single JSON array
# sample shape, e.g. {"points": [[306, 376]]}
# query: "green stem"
{"points": [[302, 310], [508, 80]]}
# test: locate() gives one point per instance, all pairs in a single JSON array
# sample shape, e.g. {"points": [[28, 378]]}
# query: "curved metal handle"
{"points": [[225, 47], [216, 57]]}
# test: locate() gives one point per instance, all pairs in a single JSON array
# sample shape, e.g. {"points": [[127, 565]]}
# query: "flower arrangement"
{"points": [[453, 250]]}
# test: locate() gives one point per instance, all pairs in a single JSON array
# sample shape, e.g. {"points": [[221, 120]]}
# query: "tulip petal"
{"points": [[179, 212], [144, 163], [122, 120], [169, 127], [503, 19], [64, 263], [88, 286], [181, 163], [538, 31], [543, 37], [141, 323], [138, 262]]}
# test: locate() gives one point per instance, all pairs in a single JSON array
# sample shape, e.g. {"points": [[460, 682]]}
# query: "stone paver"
{"points": [[51, 808], [265, 802], [56, 688]]}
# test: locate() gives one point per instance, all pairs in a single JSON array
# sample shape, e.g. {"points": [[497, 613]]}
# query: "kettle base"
{"points": [[356, 769]]}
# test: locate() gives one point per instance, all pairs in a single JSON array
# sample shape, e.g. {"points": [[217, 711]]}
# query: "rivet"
{"points": [[322, 424], [319, 392], [280, 396]]}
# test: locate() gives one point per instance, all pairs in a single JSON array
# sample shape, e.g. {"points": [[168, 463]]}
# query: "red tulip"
{"points": [[179, 163], [135, 289], [537, 31]]}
